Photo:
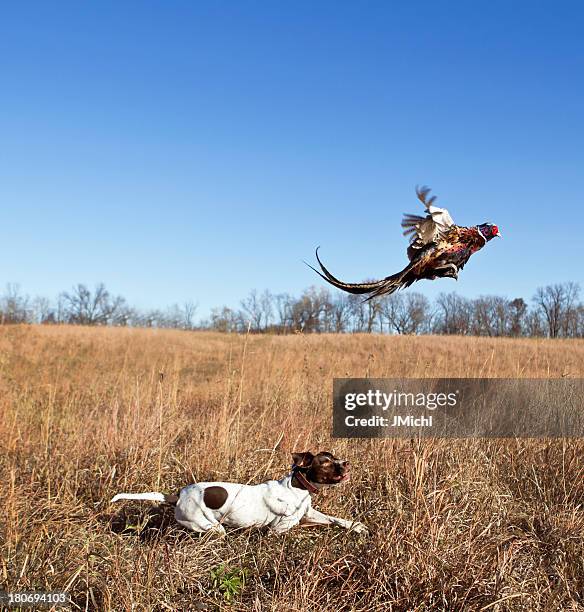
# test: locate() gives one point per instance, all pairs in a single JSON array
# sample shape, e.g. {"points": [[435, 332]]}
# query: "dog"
{"points": [[277, 505]]}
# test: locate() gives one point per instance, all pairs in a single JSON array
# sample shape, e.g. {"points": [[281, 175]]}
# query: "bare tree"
{"points": [[570, 316], [149, 318], [189, 310], [340, 313], [224, 319], [308, 310], [42, 312], [126, 316], [284, 304], [327, 318], [517, 313], [405, 313], [253, 310], [364, 313], [357, 313], [14, 306], [491, 316], [578, 329], [172, 317], [557, 304], [454, 314], [267, 308], [85, 307]]}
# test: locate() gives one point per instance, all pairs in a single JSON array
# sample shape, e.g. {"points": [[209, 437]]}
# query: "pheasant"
{"points": [[438, 249]]}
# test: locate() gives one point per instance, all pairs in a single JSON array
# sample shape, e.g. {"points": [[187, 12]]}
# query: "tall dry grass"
{"points": [[455, 525]]}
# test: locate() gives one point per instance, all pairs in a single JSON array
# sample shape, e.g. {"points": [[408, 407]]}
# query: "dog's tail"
{"points": [[153, 496]]}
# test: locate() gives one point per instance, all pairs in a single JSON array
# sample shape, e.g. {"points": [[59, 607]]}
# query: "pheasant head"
{"points": [[488, 231]]}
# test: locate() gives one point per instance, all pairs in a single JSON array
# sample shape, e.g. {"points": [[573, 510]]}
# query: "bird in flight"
{"points": [[438, 249]]}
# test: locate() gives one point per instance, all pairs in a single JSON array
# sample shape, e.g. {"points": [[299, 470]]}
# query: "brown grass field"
{"points": [[455, 524]]}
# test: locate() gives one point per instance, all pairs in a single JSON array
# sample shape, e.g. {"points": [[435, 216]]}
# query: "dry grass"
{"points": [[86, 413]]}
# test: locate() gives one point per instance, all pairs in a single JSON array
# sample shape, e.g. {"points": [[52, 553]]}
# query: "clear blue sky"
{"points": [[195, 150]]}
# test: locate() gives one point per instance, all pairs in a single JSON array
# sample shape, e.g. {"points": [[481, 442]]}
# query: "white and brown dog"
{"points": [[277, 504]]}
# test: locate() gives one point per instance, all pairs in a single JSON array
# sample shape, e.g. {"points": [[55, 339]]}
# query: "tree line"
{"points": [[554, 311]]}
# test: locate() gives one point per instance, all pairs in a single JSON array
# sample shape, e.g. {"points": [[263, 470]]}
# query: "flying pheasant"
{"points": [[438, 249]]}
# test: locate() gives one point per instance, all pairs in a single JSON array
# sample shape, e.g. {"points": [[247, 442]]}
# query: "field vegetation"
{"points": [[455, 524]]}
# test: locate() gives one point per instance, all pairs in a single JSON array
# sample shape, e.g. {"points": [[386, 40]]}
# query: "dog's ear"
{"points": [[302, 459]]}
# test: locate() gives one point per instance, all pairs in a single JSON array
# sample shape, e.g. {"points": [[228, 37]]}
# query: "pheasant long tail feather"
{"points": [[390, 285], [375, 288]]}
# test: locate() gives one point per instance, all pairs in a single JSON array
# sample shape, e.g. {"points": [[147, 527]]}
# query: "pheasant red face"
{"points": [[488, 231]]}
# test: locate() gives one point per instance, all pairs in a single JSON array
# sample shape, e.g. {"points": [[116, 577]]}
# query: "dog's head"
{"points": [[322, 469]]}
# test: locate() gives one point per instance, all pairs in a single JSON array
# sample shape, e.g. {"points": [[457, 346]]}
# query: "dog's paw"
{"points": [[217, 531], [360, 528]]}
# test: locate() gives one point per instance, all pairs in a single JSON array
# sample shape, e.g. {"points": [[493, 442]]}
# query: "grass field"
{"points": [[455, 525]]}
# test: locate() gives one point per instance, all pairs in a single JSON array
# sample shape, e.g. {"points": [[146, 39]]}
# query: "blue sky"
{"points": [[196, 150]]}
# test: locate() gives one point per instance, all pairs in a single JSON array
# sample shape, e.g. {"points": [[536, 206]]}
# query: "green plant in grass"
{"points": [[228, 581], [138, 527]]}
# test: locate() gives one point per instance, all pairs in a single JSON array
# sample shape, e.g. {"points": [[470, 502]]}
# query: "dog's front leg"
{"points": [[314, 518]]}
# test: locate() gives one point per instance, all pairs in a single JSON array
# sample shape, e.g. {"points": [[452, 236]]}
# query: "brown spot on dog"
{"points": [[214, 497]]}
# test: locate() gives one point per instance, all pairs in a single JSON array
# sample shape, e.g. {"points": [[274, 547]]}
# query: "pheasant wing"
{"points": [[424, 230]]}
